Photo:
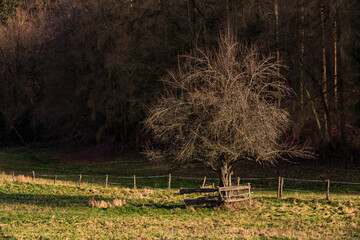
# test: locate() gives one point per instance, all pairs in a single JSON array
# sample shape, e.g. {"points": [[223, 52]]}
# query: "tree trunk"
{"points": [[327, 122], [276, 10], [341, 98], [17, 132], [189, 17], [336, 99], [34, 130], [316, 115], [302, 56], [225, 175], [131, 10], [324, 77], [324, 69]]}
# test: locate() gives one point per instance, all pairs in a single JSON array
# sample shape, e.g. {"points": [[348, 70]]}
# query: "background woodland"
{"points": [[81, 72]]}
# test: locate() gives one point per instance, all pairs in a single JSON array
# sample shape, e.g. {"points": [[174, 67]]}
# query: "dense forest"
{"points": [[81, 72]]}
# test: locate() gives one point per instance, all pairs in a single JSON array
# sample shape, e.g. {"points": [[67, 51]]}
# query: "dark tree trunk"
{"points": [[341, 90]]}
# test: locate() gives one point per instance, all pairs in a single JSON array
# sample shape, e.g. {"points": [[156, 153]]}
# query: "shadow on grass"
{"points": [[75, 201], [48, 200]]}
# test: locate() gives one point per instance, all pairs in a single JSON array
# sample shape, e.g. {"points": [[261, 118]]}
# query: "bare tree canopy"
{"points": [[221, 108]]}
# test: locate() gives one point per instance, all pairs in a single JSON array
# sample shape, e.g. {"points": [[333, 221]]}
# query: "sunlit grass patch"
{"points": [[30, 210]]}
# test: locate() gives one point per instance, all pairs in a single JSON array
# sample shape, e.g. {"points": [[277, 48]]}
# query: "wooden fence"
{"points": [[170, 179], [217, 196]]}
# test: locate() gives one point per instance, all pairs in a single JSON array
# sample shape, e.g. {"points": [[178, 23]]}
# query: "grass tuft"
{"points": [[105, 204]]}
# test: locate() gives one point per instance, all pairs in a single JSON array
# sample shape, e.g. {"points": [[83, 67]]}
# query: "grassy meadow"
{"points": [[41, 210]]}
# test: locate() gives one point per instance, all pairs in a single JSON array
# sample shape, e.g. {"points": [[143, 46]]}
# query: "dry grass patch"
{"points": [[27, 179], [104, 204]]}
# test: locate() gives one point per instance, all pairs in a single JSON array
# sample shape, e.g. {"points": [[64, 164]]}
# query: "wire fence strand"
{"points": [[304, 180], [350, 183], [189, 178]]}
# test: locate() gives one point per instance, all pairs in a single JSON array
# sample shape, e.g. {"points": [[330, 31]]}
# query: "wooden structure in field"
{"points": [[217, 196]]}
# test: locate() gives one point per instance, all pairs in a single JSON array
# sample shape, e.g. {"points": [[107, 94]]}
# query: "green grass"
{"points": [[48, 161], [46, 211], [42, 210]]}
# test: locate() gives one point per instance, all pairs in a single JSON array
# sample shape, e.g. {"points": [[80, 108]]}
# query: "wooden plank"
{"points": [[197, 190], [240, 195], [201, 201], [203, 185], [236, 199], [221, 196], [202, 198], [233, 188]]}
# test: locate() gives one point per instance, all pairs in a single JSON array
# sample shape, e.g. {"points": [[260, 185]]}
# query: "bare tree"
{"points": [[222, 109]]}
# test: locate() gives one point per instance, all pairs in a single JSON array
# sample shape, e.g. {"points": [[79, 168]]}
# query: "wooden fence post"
{"points": [[281, 187], [204, 181], [249, 185], [278, 192], [230, 180], [13, 176], [169, 184], [55, 179], [238, 183], [80, 176], [106, 181], [33, 175], [328, 189], [134, 181]]}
